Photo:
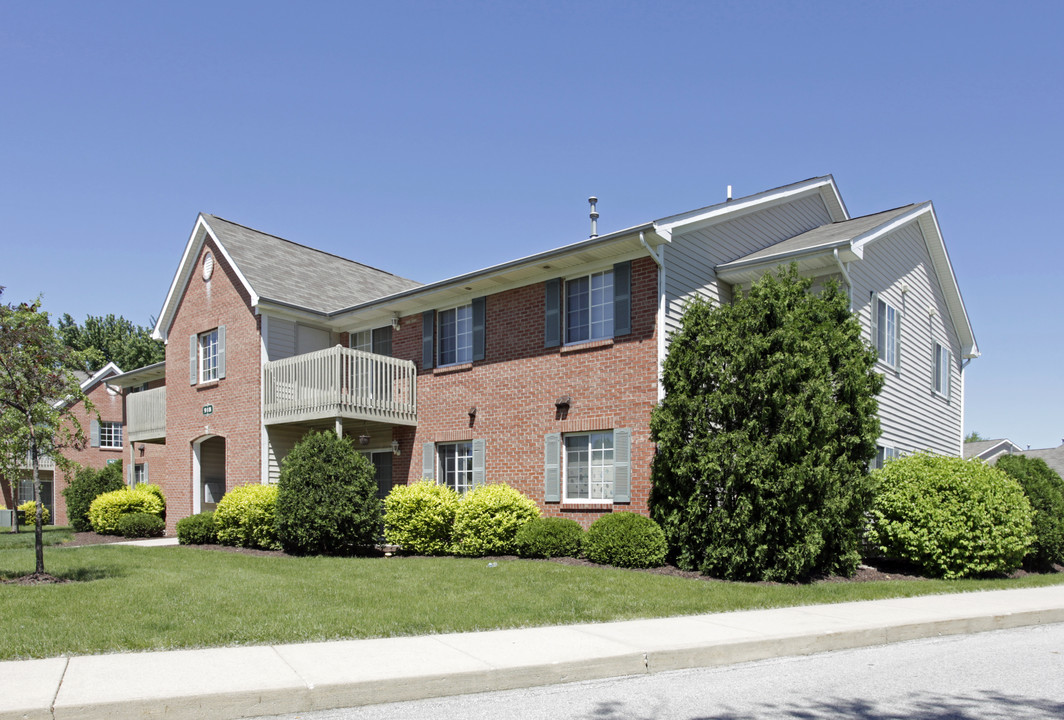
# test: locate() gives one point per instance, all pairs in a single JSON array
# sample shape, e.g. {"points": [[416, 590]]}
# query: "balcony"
{"points": [[339, 382], [44, 462], [146, 415]]}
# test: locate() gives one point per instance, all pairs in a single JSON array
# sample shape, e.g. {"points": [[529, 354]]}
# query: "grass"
{"points": [[131, 598], [52, 535]]}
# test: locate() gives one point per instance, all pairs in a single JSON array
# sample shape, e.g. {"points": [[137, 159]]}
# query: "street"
{"points": [[1003, 674]]}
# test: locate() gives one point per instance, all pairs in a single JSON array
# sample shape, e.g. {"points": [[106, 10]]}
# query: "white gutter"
{"points": [[643, 241]]}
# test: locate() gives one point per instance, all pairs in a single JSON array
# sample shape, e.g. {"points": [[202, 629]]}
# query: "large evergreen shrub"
{"points": [[488, 518], [627, 540], [246, 516], [765, 434], [327, 500], [1045, 491], [949, 516], [420, 517], [87, 485]]}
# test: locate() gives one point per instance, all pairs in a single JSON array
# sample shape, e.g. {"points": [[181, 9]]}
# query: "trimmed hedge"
{"points": [[626, 540], [488, 519], [29, 508], [327, 499], [420, 517], [87, 485], [1045, 491], [197, 530], [246, 516], [950, 517], [105, 510], [549, 537], [141, 525]]}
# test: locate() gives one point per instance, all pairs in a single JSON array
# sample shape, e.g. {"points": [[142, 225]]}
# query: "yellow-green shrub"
{"points": [[488, 519], [30, 509], [420, 517], [247, 516], [106, 509]]}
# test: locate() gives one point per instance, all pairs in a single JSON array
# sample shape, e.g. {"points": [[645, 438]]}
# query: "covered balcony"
{"points": [[340, 383], [146, 415]]}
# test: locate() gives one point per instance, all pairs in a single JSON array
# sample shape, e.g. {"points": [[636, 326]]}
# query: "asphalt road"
{"points": [[1004, 674]]}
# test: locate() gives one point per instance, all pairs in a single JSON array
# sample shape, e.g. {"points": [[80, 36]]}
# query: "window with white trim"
{"points": [[455, 465], [588, 459], [377, 340], [140, 476], [941, 375], [208, 356], [883, 454], [111, 435], [455, 333], [589, 307], [886, 331]]}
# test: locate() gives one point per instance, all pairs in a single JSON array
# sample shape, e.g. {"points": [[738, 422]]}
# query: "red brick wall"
{"points": [[613, 384], [236, 398]]}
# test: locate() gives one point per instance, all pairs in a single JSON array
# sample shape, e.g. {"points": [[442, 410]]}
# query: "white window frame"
{"points": [[592, 318], [459, 332], [364, 339], [459, 475], [940, 370], [208, 356], [883, 454], [138, 474], [110, 435], [600, 463], [886, 335]]}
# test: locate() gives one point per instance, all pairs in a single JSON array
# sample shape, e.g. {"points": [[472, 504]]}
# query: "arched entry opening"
{"points": [[208, 473]]}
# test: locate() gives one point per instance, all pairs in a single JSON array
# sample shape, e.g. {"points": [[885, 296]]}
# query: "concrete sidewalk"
{"points": [[238, 682]]}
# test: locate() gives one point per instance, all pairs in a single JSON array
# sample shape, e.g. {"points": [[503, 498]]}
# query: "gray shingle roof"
{"points": [[294, 274], [824, 236], [1054, 457]]}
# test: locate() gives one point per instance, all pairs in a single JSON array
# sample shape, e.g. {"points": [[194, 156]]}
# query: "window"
{"points": [[25, 494], [208, 356], [942, 361], [377, 340], [455, 335], [455, 465], [589, 307], [886, 331], [140, 474], [589, 466], [382, 471], [883, 454], [110, 435]]}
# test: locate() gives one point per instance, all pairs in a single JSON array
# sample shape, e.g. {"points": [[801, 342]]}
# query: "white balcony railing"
{"points": [[340, 382], [44, 462], [146, 415]]}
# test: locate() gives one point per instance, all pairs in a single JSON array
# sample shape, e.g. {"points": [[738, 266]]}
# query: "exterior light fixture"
{"points": [[563, 402], [395, 321], [395, 447], [363, 439]]}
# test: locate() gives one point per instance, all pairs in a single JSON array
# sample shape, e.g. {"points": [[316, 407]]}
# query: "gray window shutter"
{"points": [[622, 465], [898, 315], [145, 473], [193, 359], [478, 463], [874, 322], [478, 328], [622, 298], [428, 344], [552, 320], [552, 475], [132, 475], [221, 351], [428, 461], [94, 433]]}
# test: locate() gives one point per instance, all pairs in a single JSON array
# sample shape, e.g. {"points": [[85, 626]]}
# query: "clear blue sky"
{"points": [[429, 139]]}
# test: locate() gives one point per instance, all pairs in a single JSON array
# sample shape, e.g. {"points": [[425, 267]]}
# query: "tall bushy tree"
{"points": [[103, 339], [37, 391], [765, 434], [1045, 491]]}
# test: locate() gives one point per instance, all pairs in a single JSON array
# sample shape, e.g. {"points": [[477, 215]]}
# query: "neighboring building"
{"points": [[541, 372], [990, 450], [105, 432], [1053, 457]]}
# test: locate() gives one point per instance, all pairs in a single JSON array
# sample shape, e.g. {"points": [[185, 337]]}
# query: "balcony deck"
{"points": [[339, 382], [146, 415]]}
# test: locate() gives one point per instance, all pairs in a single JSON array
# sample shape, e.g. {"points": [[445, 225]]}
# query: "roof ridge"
{"points": [[868, 215]]}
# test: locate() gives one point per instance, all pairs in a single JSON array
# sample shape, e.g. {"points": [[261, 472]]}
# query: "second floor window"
{"points": [[455, 335], [208, 356], [110, 435], [942, 361], [886, 331], [589, 307], [378, 340]]}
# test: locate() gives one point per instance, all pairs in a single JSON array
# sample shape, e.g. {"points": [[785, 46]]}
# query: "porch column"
{"points": [[339, 427]]}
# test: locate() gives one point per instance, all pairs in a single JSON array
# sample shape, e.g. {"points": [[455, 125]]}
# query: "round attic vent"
{"points": [[208, 266]]}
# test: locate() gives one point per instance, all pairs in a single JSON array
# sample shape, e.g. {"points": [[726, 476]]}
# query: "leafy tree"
{"points": [[1045, 491], [37, 392], [974, 436], [107, 339], [765, 434]]}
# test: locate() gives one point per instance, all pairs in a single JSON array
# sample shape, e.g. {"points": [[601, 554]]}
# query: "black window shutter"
{"points": [[479, 317], [428, 341], [552, 320], [622, 298]]}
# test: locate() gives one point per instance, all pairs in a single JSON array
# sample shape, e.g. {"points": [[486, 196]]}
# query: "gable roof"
{"points": [[990, 450], [88, 382], [1053, 457]]}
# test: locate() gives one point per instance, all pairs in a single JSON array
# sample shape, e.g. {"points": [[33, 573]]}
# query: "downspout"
{"points": [[845, 276], [650, 251]]}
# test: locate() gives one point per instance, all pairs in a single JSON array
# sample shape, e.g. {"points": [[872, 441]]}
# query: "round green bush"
{"points": [[246, 516], [420, 517], [626, 540], [549, 537], [1045, 491], [106, 509], [327, 499], [488, 519], [141, 525], [157, 492], [950, 517], [29, 508], [197, 530], [87, 485]]}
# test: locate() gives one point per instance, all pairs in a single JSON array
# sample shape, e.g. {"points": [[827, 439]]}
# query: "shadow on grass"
{"points": [[81, 574], [927, 706]]}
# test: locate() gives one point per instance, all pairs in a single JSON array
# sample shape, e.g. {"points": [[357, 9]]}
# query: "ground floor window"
{"points": [[140, 474], [382, 471], [25, 494], [589, 466], [883, 454], [455, 465]]}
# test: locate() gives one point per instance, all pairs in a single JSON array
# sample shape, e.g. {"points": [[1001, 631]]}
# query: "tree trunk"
{"points": [[38, 540]]}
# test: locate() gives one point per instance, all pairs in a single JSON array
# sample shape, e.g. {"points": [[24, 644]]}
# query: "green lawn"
{"points": [[132, 598], [24, 537]]}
